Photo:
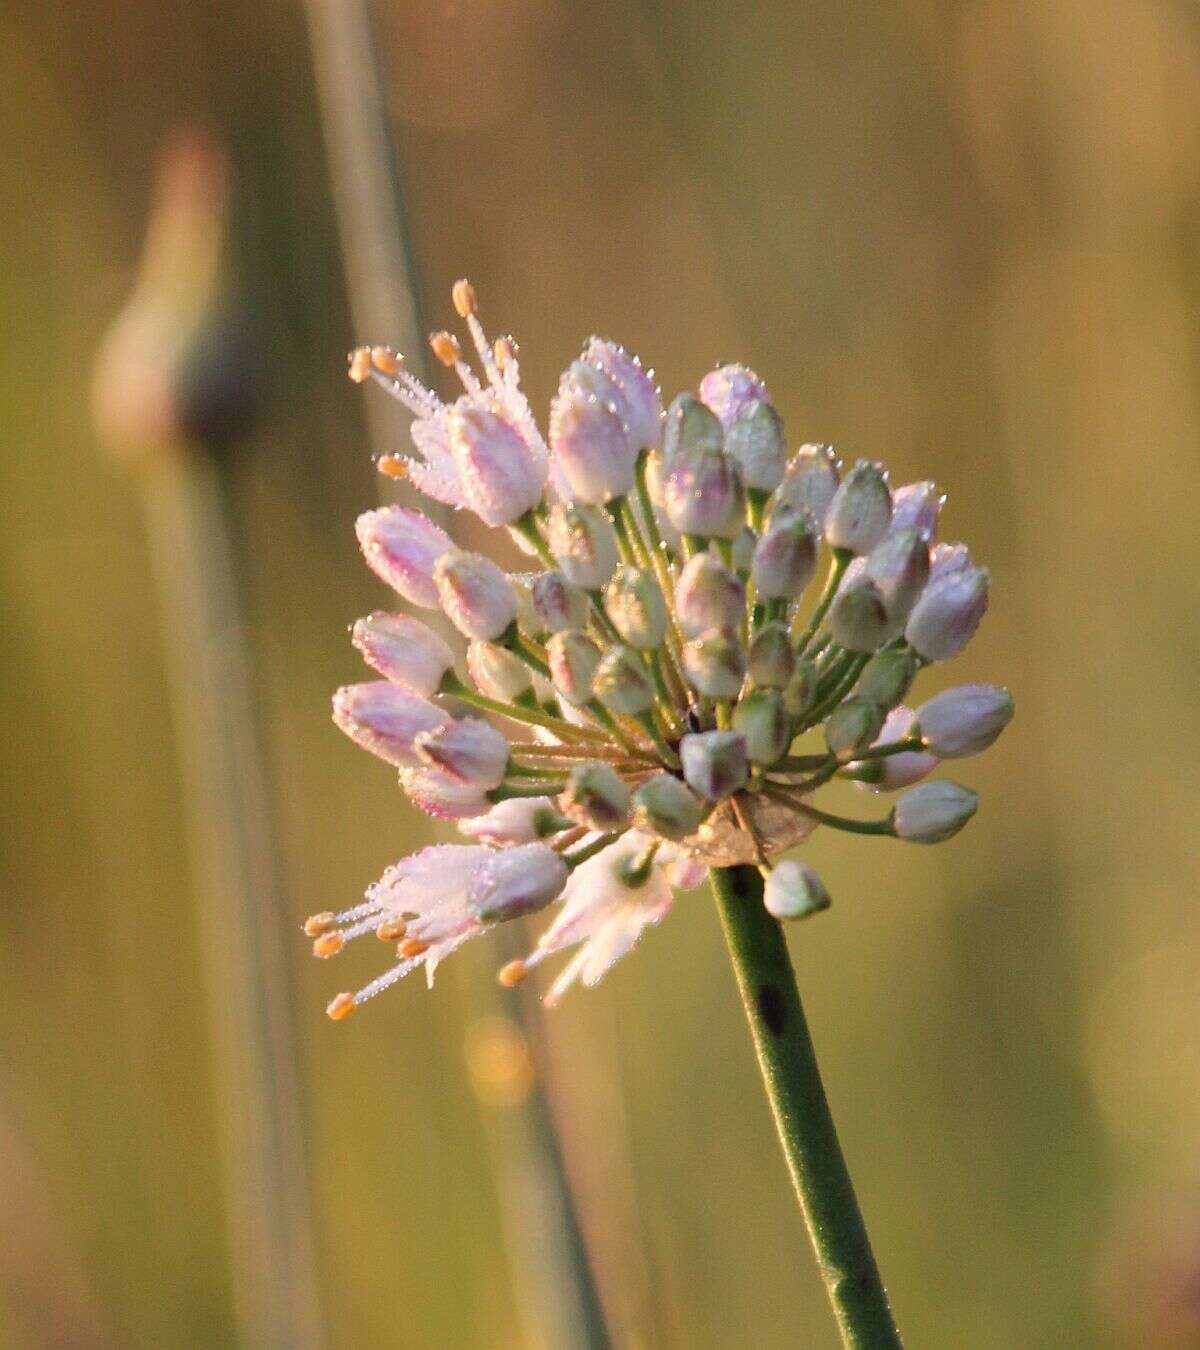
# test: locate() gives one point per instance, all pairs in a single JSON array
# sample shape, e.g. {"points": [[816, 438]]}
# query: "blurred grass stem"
{"points": [[806, 1131]]}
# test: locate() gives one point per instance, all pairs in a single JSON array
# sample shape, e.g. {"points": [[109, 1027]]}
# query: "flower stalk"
{"points": [[806, 1130]]}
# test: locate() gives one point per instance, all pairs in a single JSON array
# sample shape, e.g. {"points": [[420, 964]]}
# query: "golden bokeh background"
{"points": [[962, 238]]}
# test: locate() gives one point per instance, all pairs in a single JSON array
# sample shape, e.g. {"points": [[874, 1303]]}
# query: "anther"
{"points": [[360, 364], [512, 974], [392, 466], [446, 348], [391, 930], [504, 349], [387, 360], [342, 1006], [463, 295], [316, 924], [411, 947], [327, 945]]}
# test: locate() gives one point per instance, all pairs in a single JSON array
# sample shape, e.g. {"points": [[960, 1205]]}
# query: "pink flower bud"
{"points": [[596, 797], [947, 558], [915, 506], [573, 659], [731, 390], [591, 443], [469, 750], [557, 603], [516, 881], [933, 812], [520, 820], [810, 484], [964, 721], [894, 771], [475, 595], [784, 558], [402, 547], [640, 405], [715, 664], [438, 795], [949, 611], [496, 672], [899, 567], [708, 595], [403, 650], [582, 541], [702, 493], [501, 476], [385, 720], [861, 510]]}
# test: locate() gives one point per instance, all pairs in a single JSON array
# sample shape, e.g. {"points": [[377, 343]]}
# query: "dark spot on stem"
{"points": [[771, 1008]]}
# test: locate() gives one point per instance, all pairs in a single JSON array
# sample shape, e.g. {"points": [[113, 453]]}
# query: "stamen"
{"points": [[387, 359], [411, 947], [391, 930], [340, 1007], [360, 364], [512, 974], [316, 924], [392, 466], [327, 945], [504, 351]]}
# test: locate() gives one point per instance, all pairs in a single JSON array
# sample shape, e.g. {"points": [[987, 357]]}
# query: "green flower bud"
{"points": [[634, 603], [887, 677], [582, 541], [860, 511], [801, 690], [622, 684], [743, 550], [715, 664], [772, 657], [754, 440], [596, 797], [690, 425], [708, 595], [557, 603], [764, 721], [810, 484], [665, 806], [573, 659], [899, 567], [852, 727], [714, 763], [932, 812], [794, 891], [784, 558], [858, 618]]}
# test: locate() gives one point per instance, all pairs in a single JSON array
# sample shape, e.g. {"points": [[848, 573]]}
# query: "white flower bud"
{"points": [[582, 541], [516, 881], [690, 426], [785, 558], [557, 603], [772, 658], [573, 659], [715, 664], [475, 595], [590, 441], [947, 558], [764, 721], [852, 727], [861, 509], [899, 567], [596, 797], [634, 603], [404, 651], [794, 891], [893, 771], [715, 763], [932, 812], [401, 547], [621, 682], [631, 390], [731, 391], [496, 672], [469, 750], [754, 441], [887, 677], [708, 595], [965, 720], [810, 483], [858, 619], [665, 806], [702, 494], [949, 611]]}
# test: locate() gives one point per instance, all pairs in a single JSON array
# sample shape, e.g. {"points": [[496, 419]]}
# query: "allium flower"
{"points": [[671, 688]]}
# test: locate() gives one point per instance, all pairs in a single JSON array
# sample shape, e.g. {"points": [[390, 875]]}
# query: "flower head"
{"points": [[672, 687]]}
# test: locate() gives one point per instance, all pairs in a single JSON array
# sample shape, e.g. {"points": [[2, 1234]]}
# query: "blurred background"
{"points": [[960, 237]]}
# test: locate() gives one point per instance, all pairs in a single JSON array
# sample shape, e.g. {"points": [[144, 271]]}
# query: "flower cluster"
{"points": [[672, 683]]}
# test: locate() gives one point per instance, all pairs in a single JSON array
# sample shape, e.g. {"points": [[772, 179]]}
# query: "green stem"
{"points": [[797, 1097], [452, 685], [837, 569]]}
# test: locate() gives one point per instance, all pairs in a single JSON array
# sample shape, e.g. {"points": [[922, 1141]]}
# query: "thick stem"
{"points": [[806, 1131]]}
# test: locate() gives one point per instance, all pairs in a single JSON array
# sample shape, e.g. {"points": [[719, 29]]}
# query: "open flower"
{"points": [[672, 687]]}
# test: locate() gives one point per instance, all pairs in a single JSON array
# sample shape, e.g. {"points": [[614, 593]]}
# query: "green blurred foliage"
{"points": [[958, 237]]}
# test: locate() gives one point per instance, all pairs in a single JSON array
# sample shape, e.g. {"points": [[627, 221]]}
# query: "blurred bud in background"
{"points": [[178, 364]]}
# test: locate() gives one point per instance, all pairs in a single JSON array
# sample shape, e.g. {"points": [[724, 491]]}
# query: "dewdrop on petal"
{"points": [[666, 687], [794, 891]]}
